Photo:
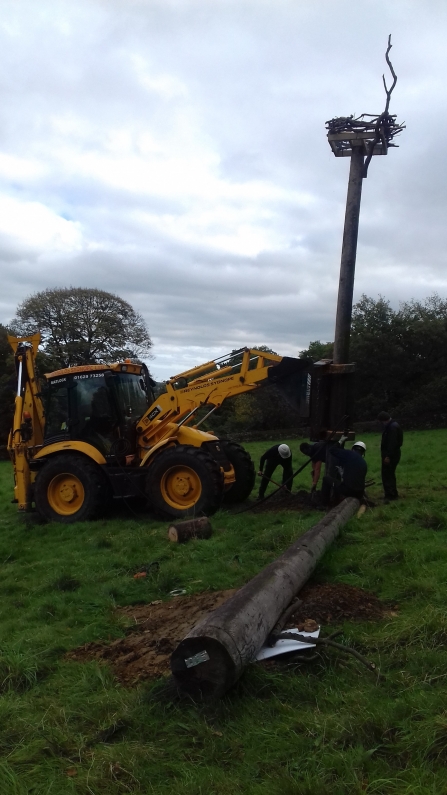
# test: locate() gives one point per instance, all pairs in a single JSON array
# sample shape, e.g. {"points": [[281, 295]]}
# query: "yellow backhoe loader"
{"points": [[96, 432]]}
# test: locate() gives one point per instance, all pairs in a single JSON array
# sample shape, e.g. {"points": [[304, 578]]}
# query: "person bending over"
{"points": [[352, 469], [317, 454], [278, 455]]}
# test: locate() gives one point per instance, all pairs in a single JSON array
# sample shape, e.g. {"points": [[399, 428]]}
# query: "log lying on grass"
{"points": [[192, 528], [213, 655]]}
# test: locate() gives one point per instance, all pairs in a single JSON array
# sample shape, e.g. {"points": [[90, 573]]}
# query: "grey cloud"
{"points": [[250, 86]]}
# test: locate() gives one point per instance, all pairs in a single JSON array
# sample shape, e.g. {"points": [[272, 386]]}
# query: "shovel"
{"points": [[279, 485]]}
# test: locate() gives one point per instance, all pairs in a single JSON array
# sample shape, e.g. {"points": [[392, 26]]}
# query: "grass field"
{"points": [[324, 728]]}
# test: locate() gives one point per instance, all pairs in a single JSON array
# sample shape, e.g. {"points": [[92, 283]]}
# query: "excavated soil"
{"points": [[284, 500], [153, 631], [333, 603]]}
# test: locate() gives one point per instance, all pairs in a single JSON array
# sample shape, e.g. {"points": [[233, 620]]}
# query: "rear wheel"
{"points": [[244, 471], [70, 488], [184, 481]]}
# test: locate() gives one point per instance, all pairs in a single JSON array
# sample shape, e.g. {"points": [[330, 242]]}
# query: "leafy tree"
{"points": [[82, 326], [376, 347], [400, 355], [318, 350]]}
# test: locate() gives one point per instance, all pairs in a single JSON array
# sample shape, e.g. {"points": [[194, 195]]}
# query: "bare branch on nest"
{"points": [[389, 91], [382, 122], [379, 129]]}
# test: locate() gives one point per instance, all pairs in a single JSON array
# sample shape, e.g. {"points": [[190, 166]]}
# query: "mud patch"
{"points": [[284, 500], [332, 603], [153, 631], [302, 500]]}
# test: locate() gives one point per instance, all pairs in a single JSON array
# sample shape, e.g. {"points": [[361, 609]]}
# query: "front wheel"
{"points": [[70, 488], [244, 471], [184, 481]]}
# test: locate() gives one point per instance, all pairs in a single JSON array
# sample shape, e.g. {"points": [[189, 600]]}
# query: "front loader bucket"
{"points": [[292, 378]]}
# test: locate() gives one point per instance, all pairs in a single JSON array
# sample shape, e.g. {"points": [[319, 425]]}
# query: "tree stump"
{"points": [[181, 532]]}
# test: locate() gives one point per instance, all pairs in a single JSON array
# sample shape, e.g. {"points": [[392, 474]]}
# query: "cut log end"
{"points": [[181, 532], [202, 668]]}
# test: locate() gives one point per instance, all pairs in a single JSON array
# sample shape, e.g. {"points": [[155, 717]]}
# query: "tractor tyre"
{"points": [[70, 488], [184, 481], [244, 470]]}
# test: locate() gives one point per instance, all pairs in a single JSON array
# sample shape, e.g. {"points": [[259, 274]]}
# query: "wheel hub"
{"points": [[181, 487], [68, 492], [65, 494]]}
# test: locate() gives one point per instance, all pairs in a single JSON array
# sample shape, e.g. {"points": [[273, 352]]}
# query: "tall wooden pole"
{"points": [[348, 255]]}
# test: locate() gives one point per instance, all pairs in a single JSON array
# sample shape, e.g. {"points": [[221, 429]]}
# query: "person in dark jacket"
{"points": [[278, 455], [352, 469], [317, 454], [392, 440]]}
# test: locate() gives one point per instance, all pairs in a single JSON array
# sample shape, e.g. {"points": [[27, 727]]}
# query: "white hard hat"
{"points": [[284, 451], [359, 444]]}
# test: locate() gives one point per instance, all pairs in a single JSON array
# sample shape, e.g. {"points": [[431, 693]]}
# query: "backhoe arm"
{"points": [[211, 384], [28, 423]]}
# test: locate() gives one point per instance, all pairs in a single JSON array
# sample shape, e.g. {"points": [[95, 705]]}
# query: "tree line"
{"points": [[400, 355]]}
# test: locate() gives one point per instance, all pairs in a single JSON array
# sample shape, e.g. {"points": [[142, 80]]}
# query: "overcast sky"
{"points": [[174, 152]]}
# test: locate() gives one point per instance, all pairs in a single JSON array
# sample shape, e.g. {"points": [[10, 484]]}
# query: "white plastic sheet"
{"points": [[287, 645]]}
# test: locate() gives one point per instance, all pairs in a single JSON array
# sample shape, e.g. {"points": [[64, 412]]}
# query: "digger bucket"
{"points": [[292, 378]]}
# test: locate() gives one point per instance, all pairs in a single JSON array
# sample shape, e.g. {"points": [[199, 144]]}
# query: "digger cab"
{"points": [[97, 404]]}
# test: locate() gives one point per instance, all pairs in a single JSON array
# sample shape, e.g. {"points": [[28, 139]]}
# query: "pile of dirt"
{"points": [[332, 603], [284, 500], [153, 631]]}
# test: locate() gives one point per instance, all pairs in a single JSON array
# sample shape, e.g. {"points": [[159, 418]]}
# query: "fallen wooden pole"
{"points": [[213, 655]]}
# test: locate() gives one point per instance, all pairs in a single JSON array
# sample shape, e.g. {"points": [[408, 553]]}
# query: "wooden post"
{"points": [[192, 528], [213, 655], [348, 256]]}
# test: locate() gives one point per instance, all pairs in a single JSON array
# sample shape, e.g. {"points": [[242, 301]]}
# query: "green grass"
{"points": [[327, 727]]}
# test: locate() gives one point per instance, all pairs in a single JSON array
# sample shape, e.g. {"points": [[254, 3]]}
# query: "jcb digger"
{"points": [[95, 432]]}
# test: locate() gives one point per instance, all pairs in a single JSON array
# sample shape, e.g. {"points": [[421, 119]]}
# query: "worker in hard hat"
{"points": [[351, 469], [278, 455]]}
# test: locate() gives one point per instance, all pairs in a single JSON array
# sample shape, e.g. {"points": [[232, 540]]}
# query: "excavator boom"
{"points": [[212, 383], [26, 435]]}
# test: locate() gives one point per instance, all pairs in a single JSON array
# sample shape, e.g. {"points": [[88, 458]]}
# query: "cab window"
{"points": [[94, 417], [56, 410], [130, 395]]}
